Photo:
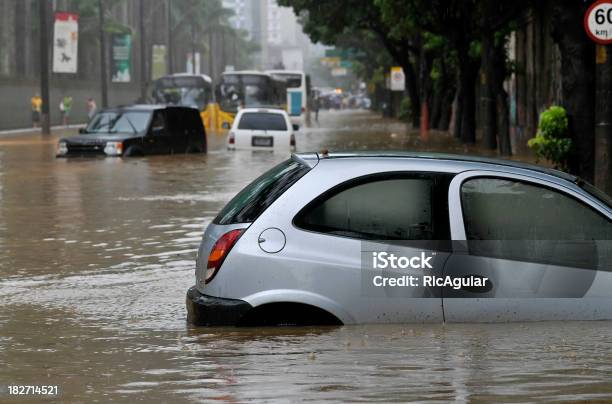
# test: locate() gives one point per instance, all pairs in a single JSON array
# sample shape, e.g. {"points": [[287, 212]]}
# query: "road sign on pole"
{"points": [[397, 79], [598, 22]]}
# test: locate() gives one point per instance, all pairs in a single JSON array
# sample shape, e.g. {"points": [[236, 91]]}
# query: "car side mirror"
{"points": [[296, 127], [82, 130]]}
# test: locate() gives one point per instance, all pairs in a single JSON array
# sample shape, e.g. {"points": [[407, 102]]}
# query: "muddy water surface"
{"points": [[96, 256]]}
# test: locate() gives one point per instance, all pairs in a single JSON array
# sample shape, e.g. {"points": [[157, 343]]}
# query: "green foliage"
{"points": [[405, 109], [551, 141]]}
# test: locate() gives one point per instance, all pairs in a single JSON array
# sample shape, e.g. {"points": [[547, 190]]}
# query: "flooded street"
{"points": [[96, 256]]}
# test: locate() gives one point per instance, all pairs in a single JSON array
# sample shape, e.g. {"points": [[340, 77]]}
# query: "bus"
{"points": [[298, 90], [246, 89], [185, 89]]}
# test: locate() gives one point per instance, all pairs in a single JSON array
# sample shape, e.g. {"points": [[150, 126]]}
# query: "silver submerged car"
{"points": [[399, 238]]}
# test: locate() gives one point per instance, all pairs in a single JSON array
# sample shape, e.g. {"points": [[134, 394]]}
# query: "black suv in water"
{"points": [[138, 130]]}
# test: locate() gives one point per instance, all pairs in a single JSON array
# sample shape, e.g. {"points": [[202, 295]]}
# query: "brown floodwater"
{"points": [[96, 256]]}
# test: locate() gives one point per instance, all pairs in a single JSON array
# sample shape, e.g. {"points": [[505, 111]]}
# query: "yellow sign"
{"points": [[330, 61]]}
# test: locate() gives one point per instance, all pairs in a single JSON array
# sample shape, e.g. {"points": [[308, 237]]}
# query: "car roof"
{"points": [[203, 76], [144, 107], [264, 110], [461, 162], [285, 72], [257, 72]]}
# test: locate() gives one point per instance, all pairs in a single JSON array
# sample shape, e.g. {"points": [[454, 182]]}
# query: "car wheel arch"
{"points": [[292, 296]]}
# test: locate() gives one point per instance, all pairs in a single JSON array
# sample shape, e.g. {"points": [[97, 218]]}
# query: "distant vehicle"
{"points": [[184, 89], [248, 89], [359, 101], [330, 100], [298, 92], [138, 130], [262, 129], [486, 240]]}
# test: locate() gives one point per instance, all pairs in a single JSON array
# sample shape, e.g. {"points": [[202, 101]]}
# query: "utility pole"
{"points": [[223, 61], [169, 34], [193, 47], [192, 22], [44, 66], [103, 73], [211, 65], [143, 53], [234, 52]]}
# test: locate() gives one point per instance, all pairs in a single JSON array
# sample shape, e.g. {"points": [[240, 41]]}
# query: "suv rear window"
{"points": [[253, 200], [262, 121]]}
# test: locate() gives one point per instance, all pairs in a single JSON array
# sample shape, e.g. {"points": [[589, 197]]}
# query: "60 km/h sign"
{"points": [[598, 22]]}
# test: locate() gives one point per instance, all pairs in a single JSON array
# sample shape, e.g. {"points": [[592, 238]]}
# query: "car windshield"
{"points": [[262, 121], [119, 122], [249, 203]]}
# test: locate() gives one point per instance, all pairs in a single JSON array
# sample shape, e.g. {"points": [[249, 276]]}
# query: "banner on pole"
{"points": [[65, 42], [121, 66]]}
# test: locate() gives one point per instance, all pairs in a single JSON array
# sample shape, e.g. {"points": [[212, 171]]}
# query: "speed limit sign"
{"points": [[598, 22]]}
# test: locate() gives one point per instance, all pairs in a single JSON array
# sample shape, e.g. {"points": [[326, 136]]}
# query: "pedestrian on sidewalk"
{"points": [[65, 107], [315, 107], [36, 102], [91, 107]]}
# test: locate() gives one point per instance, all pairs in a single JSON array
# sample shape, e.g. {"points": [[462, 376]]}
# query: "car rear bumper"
{"points": [[214, 311]]}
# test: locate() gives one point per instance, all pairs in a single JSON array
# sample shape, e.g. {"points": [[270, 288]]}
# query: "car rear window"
{"points": [[262, 121], [253, 200]]}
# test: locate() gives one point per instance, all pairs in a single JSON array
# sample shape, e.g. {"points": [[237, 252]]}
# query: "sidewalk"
{"points": [[30, 131]]}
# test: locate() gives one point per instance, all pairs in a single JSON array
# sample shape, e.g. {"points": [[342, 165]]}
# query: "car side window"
{"points": [[517, 220], [389, 207], [159, 122]]}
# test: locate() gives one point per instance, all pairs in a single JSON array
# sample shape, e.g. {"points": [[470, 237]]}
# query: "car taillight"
{"points": [[232, 138], [292, 140], [219, 251], [303, 109]]}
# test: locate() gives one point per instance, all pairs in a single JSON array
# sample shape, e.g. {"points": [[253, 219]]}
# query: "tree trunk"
{"points": [[468, 71], [488, 87], [458, 115], [446, 110], [577, 81], [413, 92], [503, 126], [436, 109], [498, 75]]}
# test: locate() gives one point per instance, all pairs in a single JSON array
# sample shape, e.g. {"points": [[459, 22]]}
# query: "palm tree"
{"points": [[194, 20]]}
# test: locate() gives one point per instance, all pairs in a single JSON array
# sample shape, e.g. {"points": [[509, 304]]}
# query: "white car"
{"points": [[262, 129], [390, 237]]}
